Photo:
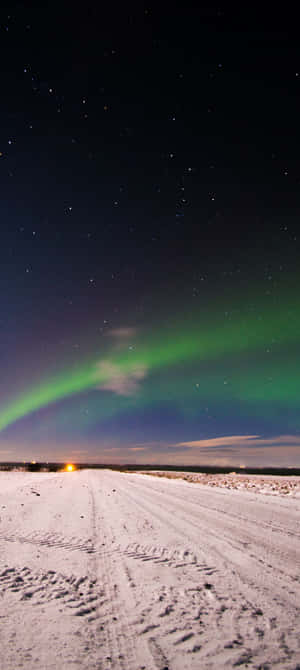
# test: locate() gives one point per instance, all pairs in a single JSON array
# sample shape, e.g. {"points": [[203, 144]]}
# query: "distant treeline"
{"points": [[206, 469]]}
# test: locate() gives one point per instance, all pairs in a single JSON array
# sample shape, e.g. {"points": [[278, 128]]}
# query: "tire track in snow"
{"points": [[78, 594], [51, 540], [125, 649], [255, 596]]}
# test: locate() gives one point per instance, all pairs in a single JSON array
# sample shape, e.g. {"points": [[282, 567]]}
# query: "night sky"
{"points": [[149, 234]]}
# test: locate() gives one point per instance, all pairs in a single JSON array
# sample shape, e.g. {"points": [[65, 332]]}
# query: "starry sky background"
{"points": [[149, 234]]}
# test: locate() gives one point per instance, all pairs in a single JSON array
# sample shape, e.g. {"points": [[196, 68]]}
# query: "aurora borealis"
{"points": [[149, 238], [240, 361]]}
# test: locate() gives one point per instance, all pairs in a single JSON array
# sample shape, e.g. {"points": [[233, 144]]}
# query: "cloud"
{"points": [[251, 450], [241, 441], [122, 333], [119, 382], [280, 440], [137, 448], [226, 441]]}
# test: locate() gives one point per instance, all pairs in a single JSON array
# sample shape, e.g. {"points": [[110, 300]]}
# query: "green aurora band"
{"points": [[236, 338]]}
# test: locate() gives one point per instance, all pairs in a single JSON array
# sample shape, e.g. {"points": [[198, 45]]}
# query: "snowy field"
{"points": [[267, 484], [102, 570]]}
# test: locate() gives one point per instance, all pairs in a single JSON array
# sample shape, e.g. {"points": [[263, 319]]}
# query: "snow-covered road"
{"points": [[101, 570]]}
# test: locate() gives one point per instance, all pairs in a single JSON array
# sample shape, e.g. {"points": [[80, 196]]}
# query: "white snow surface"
{"points": [[267, 484], [115, 571]]}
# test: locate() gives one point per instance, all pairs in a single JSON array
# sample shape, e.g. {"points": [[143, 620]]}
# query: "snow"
{"points": [[105, 570], [266, 484]]}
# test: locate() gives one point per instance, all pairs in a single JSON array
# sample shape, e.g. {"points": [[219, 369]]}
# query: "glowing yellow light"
{"points": [[69, 468]]}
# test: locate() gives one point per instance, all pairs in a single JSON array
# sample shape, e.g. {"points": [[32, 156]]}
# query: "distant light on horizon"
{"points": [[70, 467]]}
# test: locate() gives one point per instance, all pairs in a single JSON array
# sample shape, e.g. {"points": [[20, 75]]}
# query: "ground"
{"points": [[110, 571]]}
